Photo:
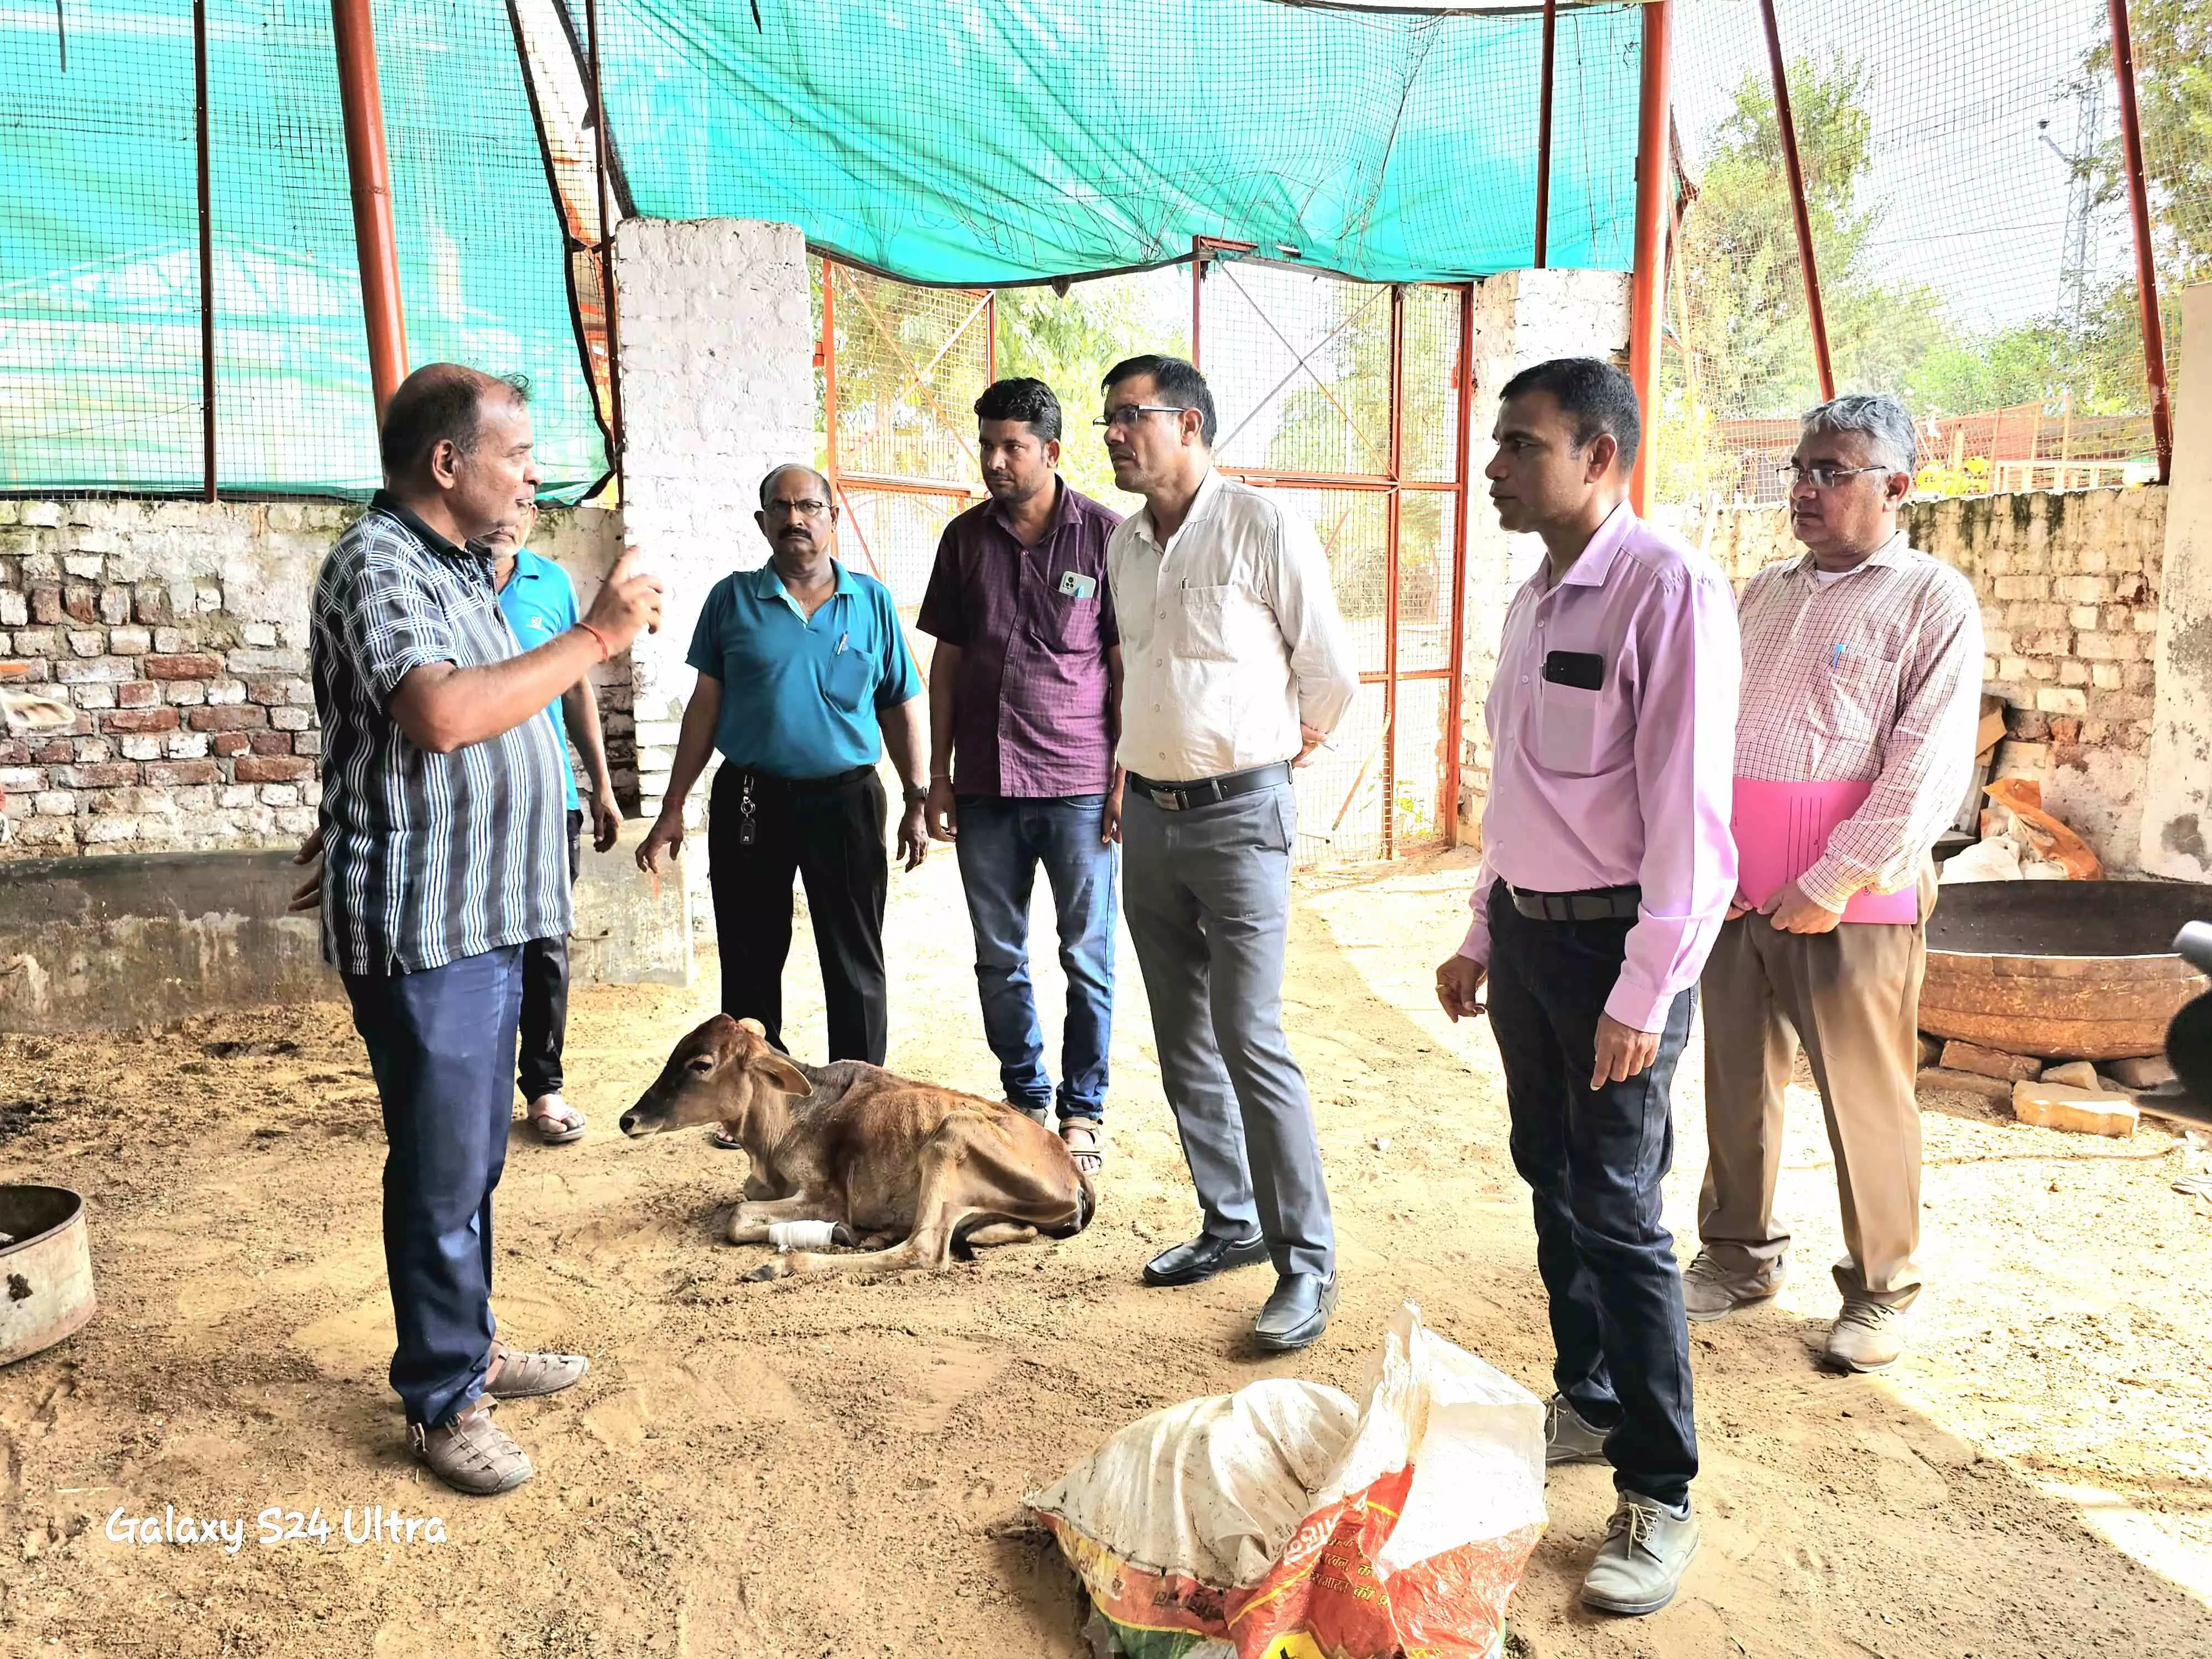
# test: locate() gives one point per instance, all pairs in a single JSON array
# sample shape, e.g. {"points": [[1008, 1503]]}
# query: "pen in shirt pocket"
{"points": [[841, 638]]}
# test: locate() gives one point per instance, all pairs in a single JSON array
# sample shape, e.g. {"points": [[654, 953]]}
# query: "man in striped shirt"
{"points": [[445, 852], [1862, 666]]}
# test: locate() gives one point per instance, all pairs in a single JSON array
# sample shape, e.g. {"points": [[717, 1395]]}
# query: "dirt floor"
{"points": [[837, 1468]]}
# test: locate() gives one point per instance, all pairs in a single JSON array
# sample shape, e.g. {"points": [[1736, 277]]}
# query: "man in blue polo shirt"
{"points": [[539, 602], [805, 680]]}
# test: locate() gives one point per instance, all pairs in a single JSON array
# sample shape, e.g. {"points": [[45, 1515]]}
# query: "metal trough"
{"points": [[2060, 970], [45, 1269]]}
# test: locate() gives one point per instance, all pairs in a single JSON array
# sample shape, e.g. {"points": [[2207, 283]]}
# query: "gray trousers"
{"points": [[1207, 894]]}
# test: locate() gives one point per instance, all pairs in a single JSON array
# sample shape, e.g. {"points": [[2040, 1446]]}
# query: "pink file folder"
{"points": [[1781, 829]]}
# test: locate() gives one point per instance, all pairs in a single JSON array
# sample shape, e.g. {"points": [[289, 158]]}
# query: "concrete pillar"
{"points": [[2177, 820], [1521, 317], [717, 385]]}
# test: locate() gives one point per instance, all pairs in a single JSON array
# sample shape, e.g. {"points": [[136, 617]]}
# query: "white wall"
{"points": [[717, 373]]}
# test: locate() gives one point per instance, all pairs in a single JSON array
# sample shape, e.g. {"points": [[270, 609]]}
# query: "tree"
{"points": [[1070, 340]]}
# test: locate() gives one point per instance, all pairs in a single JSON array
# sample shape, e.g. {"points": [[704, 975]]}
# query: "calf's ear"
{"points": [[781, 1072]]}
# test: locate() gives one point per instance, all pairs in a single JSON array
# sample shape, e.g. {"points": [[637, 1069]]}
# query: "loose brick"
{"points": [[114, 605], [153, 606], [137, 720], [2074, 1074], [1991, 1062], [188, 665], [2083, 1111], [1964, 1083], [271, 743], [138, 694], [272, 768], [80, 603], [2150, 1071], [47, 606], [230, 717], [228, 744]]}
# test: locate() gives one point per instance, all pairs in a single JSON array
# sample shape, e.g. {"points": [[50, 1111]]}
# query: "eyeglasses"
{"points": [[809, 508], [1127, 415], [1821, 475]]}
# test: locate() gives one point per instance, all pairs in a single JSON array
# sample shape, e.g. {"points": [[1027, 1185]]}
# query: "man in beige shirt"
{"points": [[1862, 663], [1235, 666]]}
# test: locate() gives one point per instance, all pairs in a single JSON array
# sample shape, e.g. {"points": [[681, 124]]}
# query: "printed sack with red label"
{"points": [[1287, 1520]]}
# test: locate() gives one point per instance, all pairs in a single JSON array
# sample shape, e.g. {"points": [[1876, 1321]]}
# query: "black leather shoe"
{"points": [[1203, 1257], [1296, 1314]]}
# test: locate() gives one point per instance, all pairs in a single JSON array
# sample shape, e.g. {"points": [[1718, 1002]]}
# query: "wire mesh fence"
{"points": [[1969, 225], [103, 382]]}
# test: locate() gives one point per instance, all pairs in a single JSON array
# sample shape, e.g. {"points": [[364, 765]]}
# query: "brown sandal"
{"points": [[1086, 1143]]}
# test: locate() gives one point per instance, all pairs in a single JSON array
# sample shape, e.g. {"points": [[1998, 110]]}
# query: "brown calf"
{"points": [[888, 1158]]}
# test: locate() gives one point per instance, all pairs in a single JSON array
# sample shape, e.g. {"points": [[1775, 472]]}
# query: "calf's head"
{"points": [[716, 1075]]}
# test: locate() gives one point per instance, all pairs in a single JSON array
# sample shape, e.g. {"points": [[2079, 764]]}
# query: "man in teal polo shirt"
{"points": [[539, 602], [805, 680]]}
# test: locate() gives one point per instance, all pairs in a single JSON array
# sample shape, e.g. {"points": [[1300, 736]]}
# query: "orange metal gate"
{"points": [[1350, 398]]}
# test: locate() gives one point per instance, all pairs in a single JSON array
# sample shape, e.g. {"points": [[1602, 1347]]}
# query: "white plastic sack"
{"points": [[1284, 1520]]}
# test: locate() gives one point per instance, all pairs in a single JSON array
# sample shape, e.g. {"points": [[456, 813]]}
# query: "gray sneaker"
{"points": [[473, 1454], [1567, 1438], [1867, 1336], [1640, 1565], [1709, 1293]]}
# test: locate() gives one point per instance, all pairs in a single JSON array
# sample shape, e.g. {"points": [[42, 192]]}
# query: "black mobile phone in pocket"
{"points": [[1584, 670]]}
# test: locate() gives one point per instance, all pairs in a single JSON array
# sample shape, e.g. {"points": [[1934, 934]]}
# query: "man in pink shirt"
{"points": [[1863, 670], [1607, 868]]}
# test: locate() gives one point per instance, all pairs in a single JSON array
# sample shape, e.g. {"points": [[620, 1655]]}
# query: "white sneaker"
{"points": [[1640, 1565], [1867, 1336]]}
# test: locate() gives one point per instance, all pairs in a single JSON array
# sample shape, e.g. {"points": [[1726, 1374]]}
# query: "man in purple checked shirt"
{"points": [[1607, 869], [1024, 693]]}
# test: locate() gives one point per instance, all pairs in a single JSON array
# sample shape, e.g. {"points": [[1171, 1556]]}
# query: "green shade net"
{"points": [[999, 141], [101, 383], [956, 141]]}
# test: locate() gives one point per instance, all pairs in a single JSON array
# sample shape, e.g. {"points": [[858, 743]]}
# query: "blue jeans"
{"points": [[1002, 841], [1594, 1159], [442, 1044]]}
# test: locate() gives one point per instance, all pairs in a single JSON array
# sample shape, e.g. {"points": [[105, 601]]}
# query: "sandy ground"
{"points": [[836, 1468]]}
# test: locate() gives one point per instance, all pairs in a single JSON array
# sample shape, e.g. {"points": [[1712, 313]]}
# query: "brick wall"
{"points": [[2070, 594], [177, 630]]}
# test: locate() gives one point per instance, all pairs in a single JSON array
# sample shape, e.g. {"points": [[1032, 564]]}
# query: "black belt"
{"points": [[1593, 904], [1204, 791], [766, 781]]}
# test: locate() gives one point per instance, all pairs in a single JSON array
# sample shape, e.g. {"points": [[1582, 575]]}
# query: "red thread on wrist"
{"points": [[606, 650]]}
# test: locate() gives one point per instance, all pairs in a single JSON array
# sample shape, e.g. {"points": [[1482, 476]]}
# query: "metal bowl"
{"points": [[45, 1269], [2060, 970]]}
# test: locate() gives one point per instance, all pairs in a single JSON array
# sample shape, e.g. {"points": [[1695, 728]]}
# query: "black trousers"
{"points": [[546, 998], [1594, 1159], [829, 833]]}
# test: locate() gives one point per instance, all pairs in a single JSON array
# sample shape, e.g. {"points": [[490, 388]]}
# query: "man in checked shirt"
{"points": [[1861, 661]]}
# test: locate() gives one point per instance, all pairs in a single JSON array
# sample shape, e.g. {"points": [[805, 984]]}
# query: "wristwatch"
{"points": [[916, 794]]}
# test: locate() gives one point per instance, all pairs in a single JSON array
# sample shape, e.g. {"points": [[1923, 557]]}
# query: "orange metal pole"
{"points": [[369, 171], [2153, 327], [1544, 136], [1647, 297], [1795, 171]]}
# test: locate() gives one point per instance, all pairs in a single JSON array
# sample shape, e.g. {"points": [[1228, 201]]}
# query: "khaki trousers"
{"points": [[1852, 997]]}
